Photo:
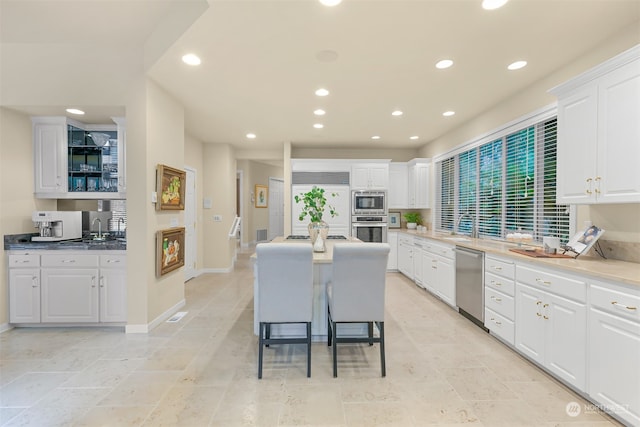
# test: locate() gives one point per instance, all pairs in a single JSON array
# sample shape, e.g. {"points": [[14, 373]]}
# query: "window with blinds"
{"points": [[507, 185]]}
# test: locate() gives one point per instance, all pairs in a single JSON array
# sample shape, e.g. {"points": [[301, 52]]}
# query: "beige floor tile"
{"points": [[140, 389], [27, 389], [312, 405], [48, 417], [120, 416], [505, 413], [247, 415], [478, 384], [186, 406], [374, 414]]}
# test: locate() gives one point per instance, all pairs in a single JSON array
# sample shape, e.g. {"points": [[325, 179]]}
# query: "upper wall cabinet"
{"points": [[409, 184], [74, 160], [370, 176], [599, 133], [398, 196]]}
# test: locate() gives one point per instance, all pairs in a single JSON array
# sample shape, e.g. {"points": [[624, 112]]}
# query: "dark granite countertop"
{"points": [[22, 242]]}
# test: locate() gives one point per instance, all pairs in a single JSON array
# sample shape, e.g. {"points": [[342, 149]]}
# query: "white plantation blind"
{"points": [[508, 184]]}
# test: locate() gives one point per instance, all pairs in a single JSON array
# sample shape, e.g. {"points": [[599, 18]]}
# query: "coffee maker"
{"points": [[54, 226]]}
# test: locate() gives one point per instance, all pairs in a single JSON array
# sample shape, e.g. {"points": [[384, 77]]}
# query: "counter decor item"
{"points": [[314, 204], [170, 185], [585, 240], [413, 219], [394, 219], [261, 196], [169, 250]]}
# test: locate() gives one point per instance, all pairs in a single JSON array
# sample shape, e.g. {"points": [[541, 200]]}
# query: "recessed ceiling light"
{"points": [[322, 92], [396, 113], [375, 137], [330, 2], [414, 137], [448, 113], [191, 59], [75, 111], [517, 65], [319, 112], [251, 135], [445, 63], [318, 125], [493, 4]]}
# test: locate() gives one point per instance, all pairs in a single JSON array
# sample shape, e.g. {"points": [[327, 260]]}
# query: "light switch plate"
{"points": [[174, 222], [217, 218]]}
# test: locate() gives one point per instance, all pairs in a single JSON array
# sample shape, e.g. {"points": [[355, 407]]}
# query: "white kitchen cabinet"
{"points": [[370, 176], [24, 295], [50, 157], [598, 133], [419, 264], [113, 288], [69, 295], [439, 275], [398, 195], [418, 184], [614, 350], [499, 297], [551, 319], [337, 196], [405, 255], [392, 239], [68, 163]]}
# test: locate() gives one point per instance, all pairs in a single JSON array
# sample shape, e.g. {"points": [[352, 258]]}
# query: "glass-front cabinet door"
{"points": [[92, 160]]}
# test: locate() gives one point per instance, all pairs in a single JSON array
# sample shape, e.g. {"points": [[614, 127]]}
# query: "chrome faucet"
{"points": [[474, 230], [99, 236]]}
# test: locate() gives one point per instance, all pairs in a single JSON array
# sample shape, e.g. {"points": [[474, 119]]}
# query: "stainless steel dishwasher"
{"points": [[470, 284]]}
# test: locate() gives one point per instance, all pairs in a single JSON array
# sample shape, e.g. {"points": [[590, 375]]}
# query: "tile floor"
{"points": [[201, 371]]}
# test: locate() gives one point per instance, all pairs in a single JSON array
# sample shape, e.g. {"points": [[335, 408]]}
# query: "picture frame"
{"points": [[169, 250], [170, 185], [262, 196], [394, 219]]}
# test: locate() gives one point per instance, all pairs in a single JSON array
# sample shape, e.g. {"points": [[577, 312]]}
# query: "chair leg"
{"points": [[267, 332], [370, 333], [382, 361], [329, 335], [260, 343], [308, 349], [335, 351]]}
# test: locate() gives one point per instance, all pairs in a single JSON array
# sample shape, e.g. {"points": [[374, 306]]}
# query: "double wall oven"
{"points": [[369, 215]]}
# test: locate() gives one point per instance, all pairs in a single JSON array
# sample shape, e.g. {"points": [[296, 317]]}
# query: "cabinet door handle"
{"points": [[34, 281], [496, 322], [93, 281], [589, 179], [545, 317], [588, 192], [102, 281], [543, 282], [496, 299], [617, 304]]}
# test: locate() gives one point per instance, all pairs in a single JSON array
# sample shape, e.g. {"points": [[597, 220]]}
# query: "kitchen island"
{"points": [[322, 269]]}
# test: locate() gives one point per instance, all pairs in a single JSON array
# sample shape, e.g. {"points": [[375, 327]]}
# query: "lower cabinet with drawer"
{"points": [[499, 301], [614, 350], [551, 322], [67, 287]]}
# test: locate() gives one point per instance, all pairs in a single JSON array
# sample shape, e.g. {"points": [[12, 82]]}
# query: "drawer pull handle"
{"points": [[113, 260], [495, 321], [496, 298], [543, 282], [617, 304], [493, 282], [495, 267], [68, 261]]}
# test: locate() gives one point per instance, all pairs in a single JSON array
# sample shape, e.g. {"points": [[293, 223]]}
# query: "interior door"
{"points": [[190, 237], [276, 208]]}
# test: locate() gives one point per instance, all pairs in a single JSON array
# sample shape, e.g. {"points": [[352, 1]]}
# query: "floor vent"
{"points": [[177, 317], [261, 235]]}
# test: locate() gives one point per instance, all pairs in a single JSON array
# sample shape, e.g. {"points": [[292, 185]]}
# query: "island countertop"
{"points": [[325, 257]]}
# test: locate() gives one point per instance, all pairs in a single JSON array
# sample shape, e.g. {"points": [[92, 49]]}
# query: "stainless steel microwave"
{"points": [[366, 202]]}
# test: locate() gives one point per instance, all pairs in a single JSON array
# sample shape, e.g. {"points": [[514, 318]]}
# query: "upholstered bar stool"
{"points": [[356, 293], [285, 292]]}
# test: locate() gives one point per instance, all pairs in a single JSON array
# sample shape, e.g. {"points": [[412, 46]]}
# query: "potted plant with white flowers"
{"points": [[314, 205]]}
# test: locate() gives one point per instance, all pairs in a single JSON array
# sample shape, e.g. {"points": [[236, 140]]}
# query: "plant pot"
{"points": [[318, 232], [412, 225]]}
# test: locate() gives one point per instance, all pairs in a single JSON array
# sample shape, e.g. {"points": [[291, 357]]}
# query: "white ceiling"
{"points": [[262, 60]]}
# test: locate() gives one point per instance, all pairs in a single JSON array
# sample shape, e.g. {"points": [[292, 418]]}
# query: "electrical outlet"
{"points": [[217, 218]]}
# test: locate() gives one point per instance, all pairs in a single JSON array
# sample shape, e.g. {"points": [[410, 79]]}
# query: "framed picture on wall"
{"points": [[170, 185], [261, 196], [169, 250]]}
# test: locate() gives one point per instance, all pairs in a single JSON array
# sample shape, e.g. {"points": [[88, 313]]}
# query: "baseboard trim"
{"points": [[4, 327], [144, 329]]}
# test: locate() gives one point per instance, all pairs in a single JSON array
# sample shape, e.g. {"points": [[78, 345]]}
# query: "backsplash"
{"points": [[622, 251]]}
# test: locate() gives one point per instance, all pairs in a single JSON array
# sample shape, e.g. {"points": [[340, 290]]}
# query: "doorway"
{"points": [[276, 207], [190, 237]]}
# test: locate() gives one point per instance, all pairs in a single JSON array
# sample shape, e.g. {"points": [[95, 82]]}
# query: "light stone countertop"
{"points": [[598, 268], [325, 257]]}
